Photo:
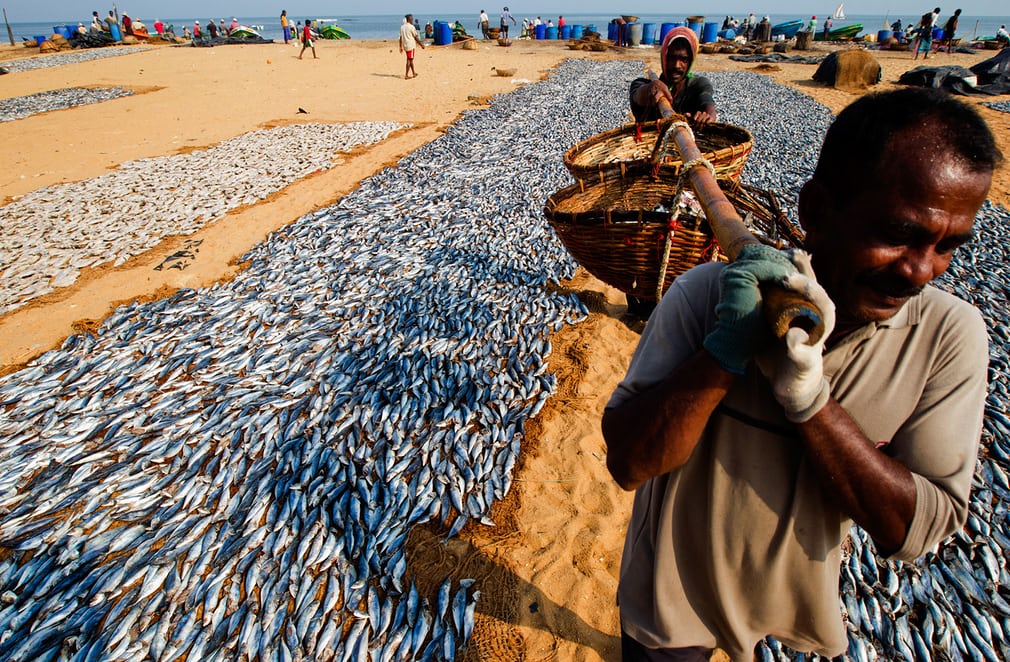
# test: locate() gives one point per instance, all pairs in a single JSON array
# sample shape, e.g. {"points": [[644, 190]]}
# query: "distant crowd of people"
{"points": [[127, 26]]}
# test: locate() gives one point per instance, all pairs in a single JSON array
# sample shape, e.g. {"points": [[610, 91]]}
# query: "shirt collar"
{"points": [[908, 315]]}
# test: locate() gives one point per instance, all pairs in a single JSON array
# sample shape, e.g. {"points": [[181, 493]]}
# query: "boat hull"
{"points": [[787, 29], [848, 32]]}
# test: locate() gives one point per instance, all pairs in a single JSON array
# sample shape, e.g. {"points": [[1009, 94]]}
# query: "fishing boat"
{"points": [[333, 32], [245, 32], [841, 34], [328, 29], [787, 29]]}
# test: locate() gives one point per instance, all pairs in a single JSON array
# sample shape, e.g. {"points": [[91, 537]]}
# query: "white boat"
{"points": [[839, 12]]}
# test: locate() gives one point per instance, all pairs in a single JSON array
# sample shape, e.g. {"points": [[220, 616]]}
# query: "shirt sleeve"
{"points": [[939, 442], [674, 332]]}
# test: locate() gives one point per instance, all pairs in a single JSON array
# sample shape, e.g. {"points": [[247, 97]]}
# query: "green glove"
{"points": [[740, 332]]}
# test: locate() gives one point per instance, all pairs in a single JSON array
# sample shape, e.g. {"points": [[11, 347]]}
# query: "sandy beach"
{"points": [[548, 571]]}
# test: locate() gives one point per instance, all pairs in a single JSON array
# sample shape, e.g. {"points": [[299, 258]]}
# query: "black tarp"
{"points": [[778, 57], [994, 74], [990, 77]]}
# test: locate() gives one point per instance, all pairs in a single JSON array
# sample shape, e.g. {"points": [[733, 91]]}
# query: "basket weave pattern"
{"points": [[620, 153], [618, 233]]}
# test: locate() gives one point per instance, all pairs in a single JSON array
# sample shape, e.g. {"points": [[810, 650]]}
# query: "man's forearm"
{"points": [[657, 430], [877, 492]]}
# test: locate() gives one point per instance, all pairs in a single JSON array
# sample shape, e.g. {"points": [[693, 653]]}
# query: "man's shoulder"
{"points": [[699, 81], [940, 304]]}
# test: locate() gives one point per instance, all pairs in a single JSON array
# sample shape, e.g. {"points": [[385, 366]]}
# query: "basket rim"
{"points": [[570, 157]]}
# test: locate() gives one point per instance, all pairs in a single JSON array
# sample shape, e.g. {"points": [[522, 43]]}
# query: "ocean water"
{"points": [[376, 26]]}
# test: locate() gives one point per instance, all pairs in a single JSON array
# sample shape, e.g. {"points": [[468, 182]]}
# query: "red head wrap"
{"points": [[680, 32]]}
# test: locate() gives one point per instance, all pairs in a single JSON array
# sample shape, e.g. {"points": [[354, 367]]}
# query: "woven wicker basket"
{"points": [[611, 232], [619, 154]]}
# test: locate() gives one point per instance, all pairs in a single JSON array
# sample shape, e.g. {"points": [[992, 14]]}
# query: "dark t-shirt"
{"points": [[696, 95]]}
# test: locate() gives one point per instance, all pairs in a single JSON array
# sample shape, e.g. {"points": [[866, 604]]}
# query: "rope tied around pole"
{"points": [[662, 147]]}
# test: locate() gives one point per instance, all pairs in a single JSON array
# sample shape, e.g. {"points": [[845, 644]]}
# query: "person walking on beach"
{"points": [[949, 28], [827, 27], [485, 23], [285, 26], [504, 22], [409, 40], [924, 34], [751, 457], [307, 40]]}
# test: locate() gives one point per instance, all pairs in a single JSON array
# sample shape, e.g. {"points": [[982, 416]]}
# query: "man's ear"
{"points": [[814, 203]]}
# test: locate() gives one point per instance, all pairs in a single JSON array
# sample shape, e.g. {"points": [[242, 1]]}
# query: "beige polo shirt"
{"points": [[742, 542]]}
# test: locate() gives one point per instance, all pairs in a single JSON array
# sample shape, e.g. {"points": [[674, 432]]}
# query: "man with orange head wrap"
{"points": [[689, 95]]}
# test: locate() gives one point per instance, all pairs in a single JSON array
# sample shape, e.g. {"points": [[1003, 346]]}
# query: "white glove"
{"points": [[796, 370]]}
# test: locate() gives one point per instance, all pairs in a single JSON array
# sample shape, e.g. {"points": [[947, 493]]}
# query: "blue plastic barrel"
{"points": [[697, 27], [711, 33], [613, 32], [62, 30], [728, 33], [884, 35], [576, 32], [115, 32], [551, 33], [443, 33], [664, 29], [937, 33], [679, 25], [648, 33], [565, 32], [541, 31], [40, 39]]}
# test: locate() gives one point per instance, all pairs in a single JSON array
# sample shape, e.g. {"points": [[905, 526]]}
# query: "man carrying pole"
{"points": [[752, 456]]}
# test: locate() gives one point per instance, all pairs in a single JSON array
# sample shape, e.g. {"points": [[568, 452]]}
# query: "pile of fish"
{"points": [[69, 57], [1002, 106], [52, 233], [230, 473], [17, 108]]}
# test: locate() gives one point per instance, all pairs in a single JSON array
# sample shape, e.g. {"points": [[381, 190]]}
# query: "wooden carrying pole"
{"points": [[784, 309]]}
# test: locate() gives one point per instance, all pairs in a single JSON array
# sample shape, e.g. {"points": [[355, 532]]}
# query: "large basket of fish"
{"points": [[632, 150], [639, 237]]}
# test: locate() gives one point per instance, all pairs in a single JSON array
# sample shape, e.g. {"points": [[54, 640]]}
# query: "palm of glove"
{"points": [[740, 332]]}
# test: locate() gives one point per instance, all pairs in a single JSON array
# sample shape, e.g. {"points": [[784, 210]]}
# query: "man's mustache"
{"points": [[889, 284]]}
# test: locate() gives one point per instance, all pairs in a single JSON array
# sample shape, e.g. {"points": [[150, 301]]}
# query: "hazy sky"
{"points": [[67, 10]]}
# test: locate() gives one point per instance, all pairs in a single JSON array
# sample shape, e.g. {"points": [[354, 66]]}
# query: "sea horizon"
{"points": [[386, 26]]}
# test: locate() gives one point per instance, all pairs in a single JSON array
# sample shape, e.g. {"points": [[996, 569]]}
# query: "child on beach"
{"points": [[307, 41]]}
